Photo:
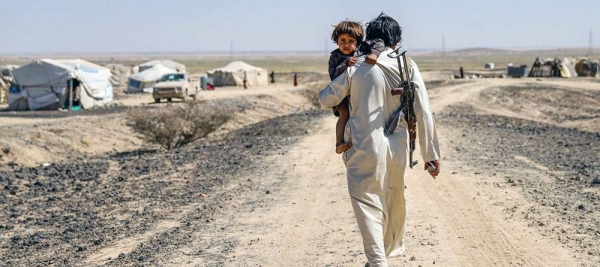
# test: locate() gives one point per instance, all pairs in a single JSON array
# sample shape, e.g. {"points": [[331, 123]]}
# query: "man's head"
{"points": [[347, 35], [385, 28]]}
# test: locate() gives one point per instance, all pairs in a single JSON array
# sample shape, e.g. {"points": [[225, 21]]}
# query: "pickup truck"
{"points": [[174, 85]]}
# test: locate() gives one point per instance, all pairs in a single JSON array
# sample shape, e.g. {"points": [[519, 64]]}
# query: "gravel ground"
{"points": [[65, 213], [561, 173]]}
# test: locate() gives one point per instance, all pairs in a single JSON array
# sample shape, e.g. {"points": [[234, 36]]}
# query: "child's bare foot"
{"points": [[341, 147]]}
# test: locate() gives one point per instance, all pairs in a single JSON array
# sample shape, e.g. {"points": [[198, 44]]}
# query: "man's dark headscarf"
{"points": [[385, 28]]}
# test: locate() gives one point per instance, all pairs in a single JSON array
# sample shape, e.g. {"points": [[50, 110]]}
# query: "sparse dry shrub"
{"points": [[175, 126]]}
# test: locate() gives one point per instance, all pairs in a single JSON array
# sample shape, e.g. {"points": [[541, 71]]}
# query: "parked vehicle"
{"points": [[174, 85]]}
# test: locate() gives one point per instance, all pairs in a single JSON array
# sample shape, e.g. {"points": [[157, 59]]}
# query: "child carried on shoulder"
{"points": [[348, 35]]}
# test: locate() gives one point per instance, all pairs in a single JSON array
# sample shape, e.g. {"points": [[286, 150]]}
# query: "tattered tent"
{"points": [[145, 80], [551, 67], [176, 66], [234, 73], [567, 68], [119, 73], [3, 91], [43, 84], [6, 72], [589, 68]]}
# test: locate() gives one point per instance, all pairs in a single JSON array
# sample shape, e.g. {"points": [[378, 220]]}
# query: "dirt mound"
{"points": [[557, 105], [566, 161]]}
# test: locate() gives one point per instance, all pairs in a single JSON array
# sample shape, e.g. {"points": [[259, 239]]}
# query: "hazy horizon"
{"points": [[230, 27], [314, 52]]}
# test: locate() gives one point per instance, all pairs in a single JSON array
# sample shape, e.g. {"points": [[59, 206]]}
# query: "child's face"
{"points": [[346, 43]]}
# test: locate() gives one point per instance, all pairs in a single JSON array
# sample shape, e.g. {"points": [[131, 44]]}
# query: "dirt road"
{"points": [[451, 220], [458, 219], [520, 186]]}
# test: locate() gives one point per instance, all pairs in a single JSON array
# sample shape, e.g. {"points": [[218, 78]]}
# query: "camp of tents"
{"points": [[44, 84], [234, 74]]}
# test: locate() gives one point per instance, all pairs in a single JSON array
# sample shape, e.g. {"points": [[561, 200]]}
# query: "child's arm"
{"points": [[340, 69], [375, 47], [349, 62], [339, 63], [332, 67]]}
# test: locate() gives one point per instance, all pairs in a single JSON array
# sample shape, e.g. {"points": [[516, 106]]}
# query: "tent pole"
{"points": [[70, 94]]}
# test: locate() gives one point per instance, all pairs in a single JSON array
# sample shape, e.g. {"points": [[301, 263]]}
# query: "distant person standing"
{"points": [[272, 76], [295, 79], [245, 81]]}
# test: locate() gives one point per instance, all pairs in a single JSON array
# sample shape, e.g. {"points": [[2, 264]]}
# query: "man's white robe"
{"points": [[376, 162]]}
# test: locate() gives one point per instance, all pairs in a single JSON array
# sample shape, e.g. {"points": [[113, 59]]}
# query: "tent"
{"points": [[551, 67], [3, 91], [233, 75], [119, 72], [145, 80], [166, 63], [587, 67], [42, 84], [6, 72]]}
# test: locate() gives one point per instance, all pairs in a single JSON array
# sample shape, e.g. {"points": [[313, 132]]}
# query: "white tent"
{"points": [[42, 84], [233, 75], [145, 80], [119, 72], [166, 63]]}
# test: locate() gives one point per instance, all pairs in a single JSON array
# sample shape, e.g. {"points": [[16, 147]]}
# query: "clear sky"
{"points": [[107, 26]]}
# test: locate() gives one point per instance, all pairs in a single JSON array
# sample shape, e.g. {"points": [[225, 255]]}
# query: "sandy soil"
{"points": [[520, 185]]}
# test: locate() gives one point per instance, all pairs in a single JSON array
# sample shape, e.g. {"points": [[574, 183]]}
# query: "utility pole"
{"points": [[591, 45]]}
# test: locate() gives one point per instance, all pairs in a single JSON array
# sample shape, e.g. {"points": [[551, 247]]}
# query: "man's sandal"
{"points": [[340, 148]]}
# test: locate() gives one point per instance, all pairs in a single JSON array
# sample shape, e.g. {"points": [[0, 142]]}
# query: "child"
{"points": [[348, 35]]}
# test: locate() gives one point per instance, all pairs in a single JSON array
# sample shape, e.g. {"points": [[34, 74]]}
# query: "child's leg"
{"points": [[344, 115]]}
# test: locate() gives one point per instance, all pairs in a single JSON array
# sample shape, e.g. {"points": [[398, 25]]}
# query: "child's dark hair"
{"points": [[385, 28], [354, 29]]}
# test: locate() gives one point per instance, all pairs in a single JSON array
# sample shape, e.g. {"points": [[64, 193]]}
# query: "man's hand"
{"points": [[436, 171], [351, 61], [371, 59]]}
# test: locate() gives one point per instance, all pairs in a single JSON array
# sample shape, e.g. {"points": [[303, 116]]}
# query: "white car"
{"points": [[174, 85]]}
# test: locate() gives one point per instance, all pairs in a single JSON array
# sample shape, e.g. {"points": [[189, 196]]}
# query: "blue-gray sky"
{"points": [[109, 26]]}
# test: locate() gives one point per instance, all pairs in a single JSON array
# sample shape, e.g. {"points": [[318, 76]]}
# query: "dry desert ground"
{"points": [[520, 181]]}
